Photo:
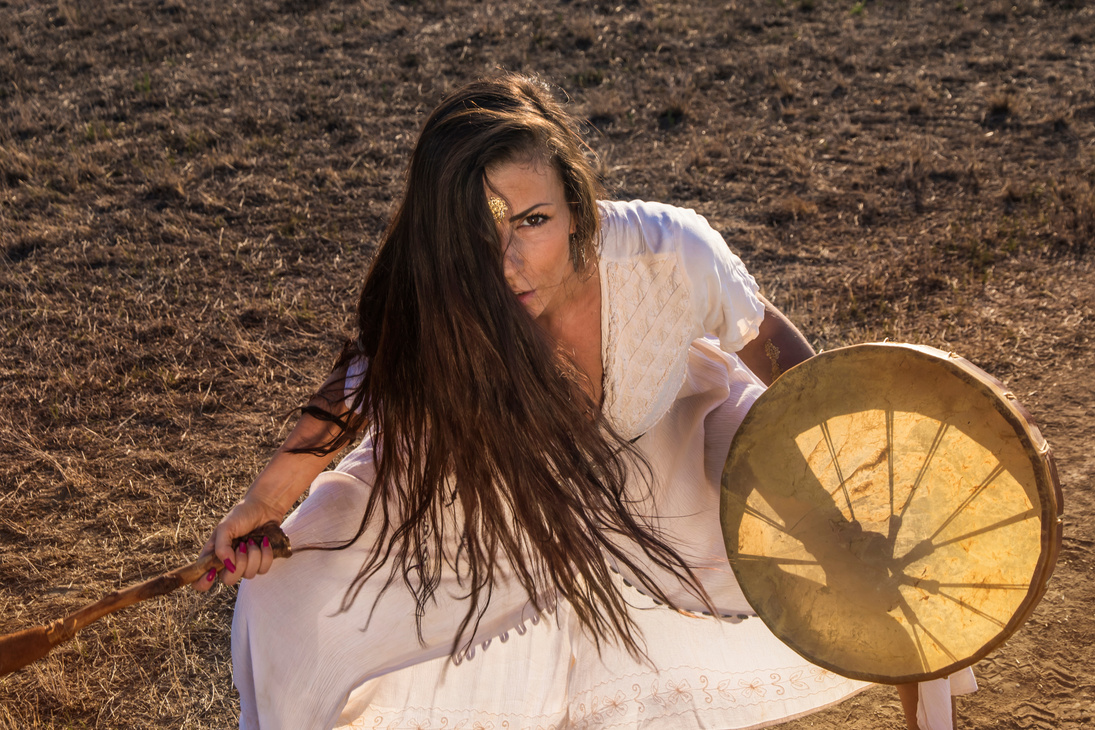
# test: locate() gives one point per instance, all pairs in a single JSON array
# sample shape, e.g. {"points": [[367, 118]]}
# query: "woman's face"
{"points": [[535, 231]]}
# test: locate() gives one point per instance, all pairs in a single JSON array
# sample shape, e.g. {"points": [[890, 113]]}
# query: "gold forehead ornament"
{"points": [[498, 208]]}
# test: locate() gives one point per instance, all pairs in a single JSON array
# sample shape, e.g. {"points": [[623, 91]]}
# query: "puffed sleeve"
{"points": [[721, 292], [355, 375], [724, 294]]}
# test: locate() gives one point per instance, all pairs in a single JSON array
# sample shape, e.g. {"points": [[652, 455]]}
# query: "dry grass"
{"points": [[189, 193]]}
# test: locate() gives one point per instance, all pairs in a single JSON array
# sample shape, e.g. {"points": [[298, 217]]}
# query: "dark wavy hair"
{"points": [[486, 437]]}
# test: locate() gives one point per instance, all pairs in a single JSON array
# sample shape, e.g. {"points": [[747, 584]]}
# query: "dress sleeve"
{"points": [[723, 293], [355, 374]]}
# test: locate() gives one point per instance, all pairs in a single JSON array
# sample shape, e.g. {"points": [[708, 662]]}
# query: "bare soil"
{"points": [[190, 191]]}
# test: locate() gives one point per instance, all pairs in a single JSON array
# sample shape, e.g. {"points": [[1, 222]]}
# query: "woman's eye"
{"points": [[536, 219]]}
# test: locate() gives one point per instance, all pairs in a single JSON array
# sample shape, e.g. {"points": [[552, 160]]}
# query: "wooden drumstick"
{"points": [[29, 645]]}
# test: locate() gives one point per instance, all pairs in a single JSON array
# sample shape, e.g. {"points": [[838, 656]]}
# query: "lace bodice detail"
{"points": [[667, 278], [644, 329]]}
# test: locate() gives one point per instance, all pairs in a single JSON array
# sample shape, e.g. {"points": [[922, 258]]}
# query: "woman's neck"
{"points": [[576, 328]]}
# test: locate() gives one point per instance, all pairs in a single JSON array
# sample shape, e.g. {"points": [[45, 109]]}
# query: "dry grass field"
{"points": [[190, 191]]}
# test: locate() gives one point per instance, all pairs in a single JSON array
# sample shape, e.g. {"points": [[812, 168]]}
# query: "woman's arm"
{"points": [[777, 347], [275, 490]]}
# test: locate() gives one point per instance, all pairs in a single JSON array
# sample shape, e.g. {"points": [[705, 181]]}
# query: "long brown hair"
{"points": [[483, 425]]}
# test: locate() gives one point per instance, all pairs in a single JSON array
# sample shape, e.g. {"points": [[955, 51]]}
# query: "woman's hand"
{"points": [[275, 491], [250, 558]]}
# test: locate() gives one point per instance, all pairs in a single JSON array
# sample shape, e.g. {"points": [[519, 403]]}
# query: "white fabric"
{"points": [[933, 709], [667, 278], [355, 375], [705, 672], [724, 676], [296, 657], [300, 662]]}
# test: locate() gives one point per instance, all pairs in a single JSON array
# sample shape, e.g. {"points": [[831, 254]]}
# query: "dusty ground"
{"points": [[189, 190]]}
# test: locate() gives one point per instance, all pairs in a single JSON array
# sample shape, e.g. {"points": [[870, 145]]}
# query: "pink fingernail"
{"points": [[231, 568], [211, 575], [243, 548], [266, 541], [251, 543]]}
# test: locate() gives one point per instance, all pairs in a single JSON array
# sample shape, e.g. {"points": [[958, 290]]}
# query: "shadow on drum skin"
{"points": [[860, 587], [944, 526], [862, 575]]}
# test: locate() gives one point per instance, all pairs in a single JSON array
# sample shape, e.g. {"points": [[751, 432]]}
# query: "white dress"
{"points": [[675, 302]]}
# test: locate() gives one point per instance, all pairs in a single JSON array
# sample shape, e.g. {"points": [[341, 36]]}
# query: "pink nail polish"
{"points": [[211, 575], [243, 548], [266, 541], [231, 567]]}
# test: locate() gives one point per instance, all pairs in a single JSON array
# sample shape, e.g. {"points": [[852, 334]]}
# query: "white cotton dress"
{"points": [[675, 303]]}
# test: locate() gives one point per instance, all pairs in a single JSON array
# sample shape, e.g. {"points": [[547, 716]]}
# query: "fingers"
{"points": [[246, 560], [250, 559], [222, 540], [254, 559], [235, 566], [206, 581], [267, 556], [260, 556]]}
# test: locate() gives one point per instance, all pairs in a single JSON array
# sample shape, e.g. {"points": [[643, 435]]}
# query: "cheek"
{"points": [[562, 243], [549, 254], [560, 256]]}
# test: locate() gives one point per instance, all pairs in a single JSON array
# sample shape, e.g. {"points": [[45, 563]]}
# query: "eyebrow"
{"points": [[527, 210]]}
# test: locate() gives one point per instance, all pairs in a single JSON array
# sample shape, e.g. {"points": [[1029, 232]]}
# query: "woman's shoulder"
{"points": [[639, 227]]}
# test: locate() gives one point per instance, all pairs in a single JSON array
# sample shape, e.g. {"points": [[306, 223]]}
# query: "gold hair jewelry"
{"points": [[498, 208]]}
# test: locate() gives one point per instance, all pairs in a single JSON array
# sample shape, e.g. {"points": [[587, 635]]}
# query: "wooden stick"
{"points": [[23, 647]]}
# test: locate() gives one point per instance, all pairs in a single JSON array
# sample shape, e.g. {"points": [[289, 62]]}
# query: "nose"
{"points": [[512, 260]]}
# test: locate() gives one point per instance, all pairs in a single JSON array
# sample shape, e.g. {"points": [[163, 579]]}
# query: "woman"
{"points": [[543, 427]]}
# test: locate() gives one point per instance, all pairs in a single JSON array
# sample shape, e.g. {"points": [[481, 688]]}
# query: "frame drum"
{"points": [[891, 512]]}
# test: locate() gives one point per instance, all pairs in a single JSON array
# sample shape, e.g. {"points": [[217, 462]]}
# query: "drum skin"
{"points": [[891, 512]]}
